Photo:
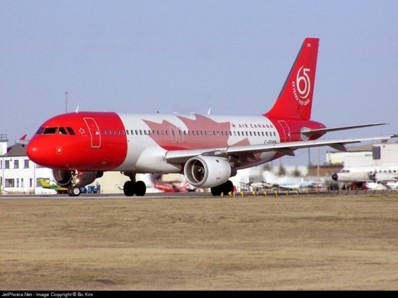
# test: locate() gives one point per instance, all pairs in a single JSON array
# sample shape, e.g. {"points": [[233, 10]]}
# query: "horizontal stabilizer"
{"points": [[339, 147], [311, 132]]}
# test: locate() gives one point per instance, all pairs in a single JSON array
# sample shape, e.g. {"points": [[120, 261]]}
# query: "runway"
{"points": [[195, 241], [163, 195], [107, 196]]}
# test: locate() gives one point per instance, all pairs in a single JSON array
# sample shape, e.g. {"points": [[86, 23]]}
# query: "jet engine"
{"points": [[207, 171], [68, 178]]}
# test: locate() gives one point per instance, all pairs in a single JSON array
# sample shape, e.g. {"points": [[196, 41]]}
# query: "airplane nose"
{"points": [[335, 177], [31, 151], [37, 153]]}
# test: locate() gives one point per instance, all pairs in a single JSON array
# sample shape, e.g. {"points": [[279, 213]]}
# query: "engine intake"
{"points": [[63, 177], [207, 171]]}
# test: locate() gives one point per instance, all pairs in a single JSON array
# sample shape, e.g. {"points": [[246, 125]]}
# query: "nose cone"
{"points": [[335, 177], [39, 152], [32, 151]]}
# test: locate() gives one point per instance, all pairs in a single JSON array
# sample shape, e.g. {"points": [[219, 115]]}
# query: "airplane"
{"points": [[260, 185], [393, 184], [170, 186], [207, 149], [375, 185], [381, 185], [374, 173], [289, 182], [45, 183]]}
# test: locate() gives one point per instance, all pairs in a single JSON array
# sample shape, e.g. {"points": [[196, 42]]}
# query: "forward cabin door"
{"points": [[94, 132]]}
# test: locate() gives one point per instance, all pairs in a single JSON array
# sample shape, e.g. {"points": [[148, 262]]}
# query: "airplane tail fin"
{"points": [[295, 98], [22, 140]]}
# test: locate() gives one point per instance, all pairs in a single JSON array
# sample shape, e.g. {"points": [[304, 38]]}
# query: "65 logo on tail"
{"points": [[302, 86]]}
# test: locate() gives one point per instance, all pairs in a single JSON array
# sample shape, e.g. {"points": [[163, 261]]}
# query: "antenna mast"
{"points": [[66, 101]]}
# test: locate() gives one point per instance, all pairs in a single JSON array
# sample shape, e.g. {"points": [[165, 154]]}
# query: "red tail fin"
{"points": [[295, 99]]}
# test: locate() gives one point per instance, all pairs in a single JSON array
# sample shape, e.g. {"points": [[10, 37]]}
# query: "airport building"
{"points": [[367, 155], [20, 175]]}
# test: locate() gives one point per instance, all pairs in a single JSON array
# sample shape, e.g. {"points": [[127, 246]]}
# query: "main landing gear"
{"points": [[138, 188], [131, 188], [224, 189]]}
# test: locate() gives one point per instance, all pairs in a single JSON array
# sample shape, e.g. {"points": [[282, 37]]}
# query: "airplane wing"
{"points": [[286, 148], [295, 183], [261, 184], [288, 187]]}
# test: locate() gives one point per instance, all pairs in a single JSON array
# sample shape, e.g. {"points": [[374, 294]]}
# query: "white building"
{"points": [[368, 155], [19, 175]]}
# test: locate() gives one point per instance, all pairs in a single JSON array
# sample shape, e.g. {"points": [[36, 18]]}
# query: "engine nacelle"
{"points": [[207, 171], [76, 178]]}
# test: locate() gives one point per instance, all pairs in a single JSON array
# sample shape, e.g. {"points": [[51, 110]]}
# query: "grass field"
{"points": [[239, 243]]}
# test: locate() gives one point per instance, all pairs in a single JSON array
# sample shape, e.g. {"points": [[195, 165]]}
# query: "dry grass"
{"points": [[251, 243]]}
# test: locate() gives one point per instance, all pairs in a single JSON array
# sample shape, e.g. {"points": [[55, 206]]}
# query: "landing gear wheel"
{"points": [[74, 191], [228, 187], [140, 188], [216, 191], [128, 188], [224, 189], [131, 188]]}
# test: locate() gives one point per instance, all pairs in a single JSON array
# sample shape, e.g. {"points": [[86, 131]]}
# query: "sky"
{"points": [[189, 56]]}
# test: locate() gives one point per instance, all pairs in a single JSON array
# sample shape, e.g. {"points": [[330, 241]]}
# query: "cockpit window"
{"points": [[55, 130], [71, 131], [50, 130], [40, 130], [62, 131]]}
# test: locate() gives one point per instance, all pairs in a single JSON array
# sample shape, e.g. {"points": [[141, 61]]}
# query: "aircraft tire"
{"points": [[140, 188], [74, 191], [224, 189], [228, 187], [128, 188], [216, 191]]}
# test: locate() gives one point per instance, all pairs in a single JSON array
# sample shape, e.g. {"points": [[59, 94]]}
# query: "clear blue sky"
{"points": [[188, 56]]}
